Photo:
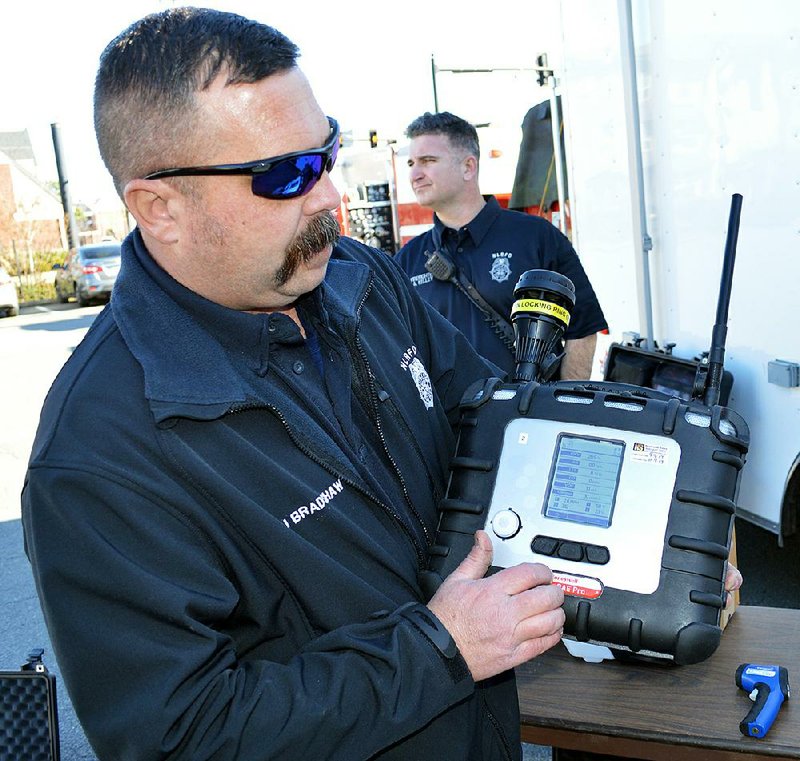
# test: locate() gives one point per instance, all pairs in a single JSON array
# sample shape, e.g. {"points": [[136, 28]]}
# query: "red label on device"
{"points": [[578, 586]]}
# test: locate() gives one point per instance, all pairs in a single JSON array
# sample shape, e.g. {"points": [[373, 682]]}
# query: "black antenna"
{"points": [[716, 355]]}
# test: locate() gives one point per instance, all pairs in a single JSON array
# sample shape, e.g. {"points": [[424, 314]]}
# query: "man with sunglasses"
{"points": [[236, 477]]}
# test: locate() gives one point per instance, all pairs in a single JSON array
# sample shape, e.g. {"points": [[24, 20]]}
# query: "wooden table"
{"points": [[665, 713]]}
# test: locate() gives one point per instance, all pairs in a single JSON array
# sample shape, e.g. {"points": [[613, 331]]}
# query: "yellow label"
{"points": [[544, 307]]}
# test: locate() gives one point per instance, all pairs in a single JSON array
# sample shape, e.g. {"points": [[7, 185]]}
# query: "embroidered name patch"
{"points": [[320, 503], [417, 280]]}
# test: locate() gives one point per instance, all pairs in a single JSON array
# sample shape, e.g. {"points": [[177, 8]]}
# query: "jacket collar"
{"points": [[183, 341]]}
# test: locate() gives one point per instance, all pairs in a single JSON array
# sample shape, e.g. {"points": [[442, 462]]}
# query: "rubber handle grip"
{"points": [[763, 713]]}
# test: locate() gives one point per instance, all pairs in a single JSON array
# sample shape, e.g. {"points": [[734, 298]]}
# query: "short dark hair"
{"points": [[144, 96], [461, 133]]}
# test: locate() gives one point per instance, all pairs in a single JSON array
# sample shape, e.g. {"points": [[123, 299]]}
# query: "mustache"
{"points": [[322, 231]]}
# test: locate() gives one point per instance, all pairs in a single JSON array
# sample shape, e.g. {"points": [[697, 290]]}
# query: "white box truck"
{"points": [[669, 108]]}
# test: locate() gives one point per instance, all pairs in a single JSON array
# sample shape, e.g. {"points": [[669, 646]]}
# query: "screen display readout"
{"points": [[583, 480]]}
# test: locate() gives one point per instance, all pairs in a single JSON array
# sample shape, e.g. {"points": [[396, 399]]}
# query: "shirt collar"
{"points": [[477, 228], [184, 342]]}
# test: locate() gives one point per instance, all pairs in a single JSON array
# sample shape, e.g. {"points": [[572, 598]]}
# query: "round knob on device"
{"points": [[506, 524]]}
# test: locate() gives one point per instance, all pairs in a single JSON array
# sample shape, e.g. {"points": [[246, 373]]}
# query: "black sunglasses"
{"points": [[286, 176]]}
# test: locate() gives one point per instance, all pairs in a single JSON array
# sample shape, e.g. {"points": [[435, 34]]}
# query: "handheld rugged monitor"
{"points": [[625, 492]]}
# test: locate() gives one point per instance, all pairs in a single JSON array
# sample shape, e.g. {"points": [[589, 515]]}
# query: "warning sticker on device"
{"points": [[578, 586], [655, 454]]}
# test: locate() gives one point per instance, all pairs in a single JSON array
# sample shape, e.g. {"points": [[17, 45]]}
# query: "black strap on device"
{"points": [[442, 268]]}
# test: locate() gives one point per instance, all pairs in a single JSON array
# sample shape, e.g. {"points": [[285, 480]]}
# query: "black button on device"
{"points": [[571, 551], [544, 545], [597, 555]]}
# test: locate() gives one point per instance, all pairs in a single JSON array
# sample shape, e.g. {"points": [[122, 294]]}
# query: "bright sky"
{"points": [[369, 64]]}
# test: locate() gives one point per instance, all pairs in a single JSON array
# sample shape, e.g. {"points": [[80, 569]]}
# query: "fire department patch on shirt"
{"points": [[419, 375], [501, 266]]}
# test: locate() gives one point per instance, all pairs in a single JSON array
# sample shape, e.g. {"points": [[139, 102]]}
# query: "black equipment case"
{"points": [[677, 534], [629, 362], [28, 712]]}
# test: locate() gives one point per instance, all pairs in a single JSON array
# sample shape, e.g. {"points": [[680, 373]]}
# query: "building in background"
{"points": [[31, 212], [31, 215]]}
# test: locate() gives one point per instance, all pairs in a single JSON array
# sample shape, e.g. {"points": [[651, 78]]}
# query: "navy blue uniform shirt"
{"points": [[492, 251]]}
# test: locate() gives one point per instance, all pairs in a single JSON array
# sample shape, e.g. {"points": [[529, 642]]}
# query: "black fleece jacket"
{"points": [[226, 529]]}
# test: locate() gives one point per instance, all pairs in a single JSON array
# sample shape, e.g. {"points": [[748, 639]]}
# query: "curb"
{"points": [[37, 303]]}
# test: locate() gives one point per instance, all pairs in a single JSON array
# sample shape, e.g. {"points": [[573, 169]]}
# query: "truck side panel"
{"points": [[719, 99]]}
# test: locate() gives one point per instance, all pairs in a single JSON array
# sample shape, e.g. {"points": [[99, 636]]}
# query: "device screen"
{"points": [[583, 480]]}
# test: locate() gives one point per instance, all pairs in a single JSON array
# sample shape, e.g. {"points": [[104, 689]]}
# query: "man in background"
{"points": [[489, 245]]}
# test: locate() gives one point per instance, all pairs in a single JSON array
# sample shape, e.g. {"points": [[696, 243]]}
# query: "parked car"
{"points": [[9, 301], [89, 273]]}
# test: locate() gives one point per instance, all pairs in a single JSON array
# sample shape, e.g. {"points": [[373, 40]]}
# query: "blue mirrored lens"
{"points": [[334, 152], [289, 178]]}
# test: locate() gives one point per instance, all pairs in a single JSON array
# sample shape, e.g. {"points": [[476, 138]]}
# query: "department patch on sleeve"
{"points": [[413, 364]]}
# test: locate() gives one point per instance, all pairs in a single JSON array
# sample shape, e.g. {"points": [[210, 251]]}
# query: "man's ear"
{"points": [[470, 167], [155, 205]]}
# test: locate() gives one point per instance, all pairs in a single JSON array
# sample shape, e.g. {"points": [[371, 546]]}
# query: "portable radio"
{"points": [[625, 492]]}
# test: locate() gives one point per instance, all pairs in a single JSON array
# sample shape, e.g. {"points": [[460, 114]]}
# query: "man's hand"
{"points": [[733, 580], [501, 621]]}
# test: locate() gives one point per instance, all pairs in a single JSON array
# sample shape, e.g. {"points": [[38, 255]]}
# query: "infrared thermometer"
{"points": [[768, 687]]}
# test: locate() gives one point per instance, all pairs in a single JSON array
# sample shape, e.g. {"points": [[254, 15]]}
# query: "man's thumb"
{"points": [[475, 565]]}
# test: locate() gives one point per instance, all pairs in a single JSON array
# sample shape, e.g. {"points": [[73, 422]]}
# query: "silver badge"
{"points": [[501, 269]]}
